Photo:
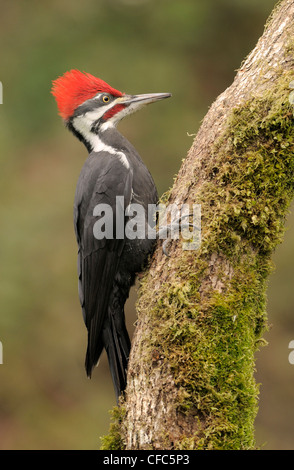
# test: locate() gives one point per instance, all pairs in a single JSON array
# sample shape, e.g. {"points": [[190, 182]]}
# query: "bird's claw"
{"points": [[174, 226], [164, 246]]}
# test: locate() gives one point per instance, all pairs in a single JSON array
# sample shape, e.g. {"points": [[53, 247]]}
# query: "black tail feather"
{"points": [[117, 344], [89, 362], [115, 339], [113, 336]]}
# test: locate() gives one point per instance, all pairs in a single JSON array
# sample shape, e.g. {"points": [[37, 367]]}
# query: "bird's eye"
{"points": [[105, 99]]}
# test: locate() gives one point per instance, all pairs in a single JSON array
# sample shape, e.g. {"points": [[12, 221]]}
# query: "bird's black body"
{"points": [[107, 267], [108, 264]]}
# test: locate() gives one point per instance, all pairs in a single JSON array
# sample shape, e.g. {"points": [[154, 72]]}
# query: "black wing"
{"points": [[102, 178]]}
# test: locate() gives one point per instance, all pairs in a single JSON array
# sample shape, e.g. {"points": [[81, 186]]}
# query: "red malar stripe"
{"points": [[116, 109]]}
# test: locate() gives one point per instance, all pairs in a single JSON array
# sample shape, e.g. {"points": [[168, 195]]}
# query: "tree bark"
{"points": [[201, 313]]}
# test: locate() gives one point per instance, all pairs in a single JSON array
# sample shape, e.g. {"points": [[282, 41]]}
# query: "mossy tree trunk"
{"points": [[201, 314]]}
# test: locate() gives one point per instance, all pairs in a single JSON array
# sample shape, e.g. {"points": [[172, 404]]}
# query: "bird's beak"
{"points": [[143, 99], [132, 103], [137, 101]]}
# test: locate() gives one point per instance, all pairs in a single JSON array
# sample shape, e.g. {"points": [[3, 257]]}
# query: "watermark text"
{"points": [[157, 221]]}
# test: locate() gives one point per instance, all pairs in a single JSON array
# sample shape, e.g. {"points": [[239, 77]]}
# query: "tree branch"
{"points": [[201, 314]]}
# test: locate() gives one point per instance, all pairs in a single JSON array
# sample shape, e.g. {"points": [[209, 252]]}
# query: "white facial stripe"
{"points": [[130, 109], [84, 122], [83, 125], [92, 116]]}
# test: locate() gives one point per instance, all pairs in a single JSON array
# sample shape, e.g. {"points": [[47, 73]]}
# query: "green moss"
{"points": [[208, 336], [209, 340], [210, 353], [253, 188], [114, 439]]}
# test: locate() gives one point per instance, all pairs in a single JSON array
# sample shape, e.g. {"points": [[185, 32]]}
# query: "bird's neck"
{"points": [[99, 138]]}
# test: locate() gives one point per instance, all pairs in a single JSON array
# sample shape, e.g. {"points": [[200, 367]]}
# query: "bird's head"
{"points": [[89, 105]]}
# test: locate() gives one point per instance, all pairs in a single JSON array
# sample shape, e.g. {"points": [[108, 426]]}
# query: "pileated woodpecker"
{"points": [[107, 266]]}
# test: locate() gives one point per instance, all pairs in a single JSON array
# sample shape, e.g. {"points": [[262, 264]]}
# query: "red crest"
{"points": [[75, 87]]}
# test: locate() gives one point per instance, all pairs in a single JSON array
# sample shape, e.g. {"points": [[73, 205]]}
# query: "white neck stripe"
{"points": [[81, 124]]}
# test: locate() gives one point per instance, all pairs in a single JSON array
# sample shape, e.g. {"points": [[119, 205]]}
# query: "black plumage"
{"points": [[107, 267]]}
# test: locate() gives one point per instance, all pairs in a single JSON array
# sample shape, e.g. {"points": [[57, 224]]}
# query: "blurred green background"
{"points": [[190, 48]]}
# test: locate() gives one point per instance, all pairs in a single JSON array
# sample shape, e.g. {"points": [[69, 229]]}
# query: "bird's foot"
{"points": [[171, 231]]}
